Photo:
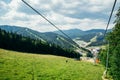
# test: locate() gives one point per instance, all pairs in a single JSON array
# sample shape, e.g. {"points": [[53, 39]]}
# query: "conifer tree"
{"points": [[114, 41]]}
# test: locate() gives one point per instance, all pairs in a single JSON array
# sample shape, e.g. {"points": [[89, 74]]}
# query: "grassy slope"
{"points": [[21, 66]]}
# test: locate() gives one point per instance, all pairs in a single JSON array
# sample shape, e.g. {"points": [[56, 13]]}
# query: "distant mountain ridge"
{"points": [[49, 37], [73, 32], [86, 36], [58, 38]]}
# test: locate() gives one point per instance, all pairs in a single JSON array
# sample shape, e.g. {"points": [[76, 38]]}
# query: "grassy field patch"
{"points": [[24, 66]]}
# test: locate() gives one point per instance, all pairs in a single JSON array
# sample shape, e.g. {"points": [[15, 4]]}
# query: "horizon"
{"points": [[92, 16], [50, 31]]}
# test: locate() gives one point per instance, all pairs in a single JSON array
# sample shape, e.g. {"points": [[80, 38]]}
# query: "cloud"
{"points": [[84, 8], [66, 14], [42, 6], [3, 8]]}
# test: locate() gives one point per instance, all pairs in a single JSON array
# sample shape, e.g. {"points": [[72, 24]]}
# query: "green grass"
{"points": [[23, 66]]}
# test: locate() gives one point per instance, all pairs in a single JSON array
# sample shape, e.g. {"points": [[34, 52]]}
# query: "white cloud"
{"points": [[66, 14], [14, 4], [3, 8]]}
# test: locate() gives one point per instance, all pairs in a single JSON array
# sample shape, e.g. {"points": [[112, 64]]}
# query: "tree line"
{"points": [[113, 38], [13, 41]]}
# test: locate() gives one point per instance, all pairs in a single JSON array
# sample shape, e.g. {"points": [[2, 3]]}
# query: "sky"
{"points": [[65, 14]]}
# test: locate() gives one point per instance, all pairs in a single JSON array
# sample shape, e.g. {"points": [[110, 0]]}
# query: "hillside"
{"points": [[58, 38], [86, 36], [49, 37], [12, 41], [23, 66]]}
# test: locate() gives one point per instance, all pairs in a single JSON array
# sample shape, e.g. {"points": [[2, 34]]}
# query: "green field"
{"points": [[23, 66]]}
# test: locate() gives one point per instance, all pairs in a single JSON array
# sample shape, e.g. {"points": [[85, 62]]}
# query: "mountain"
{"points": [[75, 33], [95, 31], [72, 32], [93, 37], [49, 37]]}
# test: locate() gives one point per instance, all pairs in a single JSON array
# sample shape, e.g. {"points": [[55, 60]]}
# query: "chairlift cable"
{"points": [[110, 18], [77, 46], [107, 58]]}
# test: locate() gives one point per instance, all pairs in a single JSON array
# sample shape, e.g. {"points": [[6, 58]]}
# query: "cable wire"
{"points": [[77, 46], [109, 18], [107, 58]]}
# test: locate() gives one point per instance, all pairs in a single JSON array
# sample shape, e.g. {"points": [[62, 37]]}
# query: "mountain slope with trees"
{"points": [[50, 37], [86, 35], [17, 42], [113, 39], [114, 42]]}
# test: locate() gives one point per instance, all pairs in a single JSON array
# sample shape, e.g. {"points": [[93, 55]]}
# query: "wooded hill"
{"points": [[17, 42], [50, 37], [113, 50], [86, 36]]}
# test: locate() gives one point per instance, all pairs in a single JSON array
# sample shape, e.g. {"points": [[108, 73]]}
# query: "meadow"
{"points": [[25, 66]]}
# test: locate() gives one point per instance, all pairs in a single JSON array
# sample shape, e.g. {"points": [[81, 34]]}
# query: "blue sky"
{"points": [[66, 14]]}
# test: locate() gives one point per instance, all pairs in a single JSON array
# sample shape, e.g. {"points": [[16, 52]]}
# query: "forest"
{"points": [[12, 41], [112, 50]]}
